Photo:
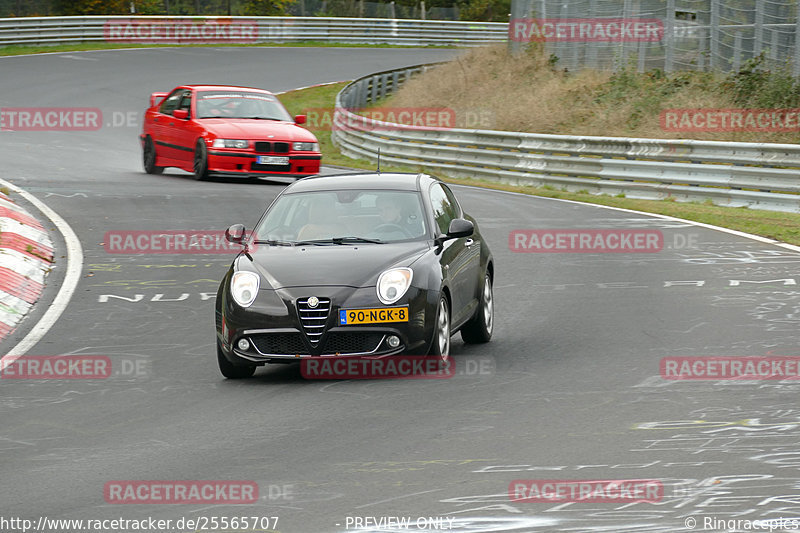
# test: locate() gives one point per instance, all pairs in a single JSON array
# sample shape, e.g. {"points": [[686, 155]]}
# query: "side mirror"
{"points": [[300, 119], [181, 114], [460, 227], [235, 234]]}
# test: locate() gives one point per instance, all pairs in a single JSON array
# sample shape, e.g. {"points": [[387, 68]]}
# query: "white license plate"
{"points": [[272, 160]]}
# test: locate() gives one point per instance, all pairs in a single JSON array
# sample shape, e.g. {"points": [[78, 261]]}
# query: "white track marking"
{"points": [[758, 238]]}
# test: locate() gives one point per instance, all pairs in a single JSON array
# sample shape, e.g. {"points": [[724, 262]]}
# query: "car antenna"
{"points": [[379, 160]]}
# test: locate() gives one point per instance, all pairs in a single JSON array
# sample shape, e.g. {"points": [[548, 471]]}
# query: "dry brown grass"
{"points": [[529, 94]]}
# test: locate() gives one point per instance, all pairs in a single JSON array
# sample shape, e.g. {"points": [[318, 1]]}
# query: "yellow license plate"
{"points": [[373, 316]]}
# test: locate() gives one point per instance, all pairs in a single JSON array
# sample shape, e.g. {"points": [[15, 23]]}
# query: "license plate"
{"points": [[272, 160], [373, 316]]}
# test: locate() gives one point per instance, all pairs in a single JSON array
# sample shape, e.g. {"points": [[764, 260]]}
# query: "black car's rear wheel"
{"points": [[231, 371], [440, 347], [200, 161], [479, 328], [149, 157]]}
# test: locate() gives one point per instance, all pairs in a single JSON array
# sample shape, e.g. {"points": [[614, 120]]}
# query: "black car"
{"points": [[354, 265]]}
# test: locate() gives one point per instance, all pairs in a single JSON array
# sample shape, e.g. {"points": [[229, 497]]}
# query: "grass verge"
{"points": [[780, 226], [533, 93], [16, 50]]}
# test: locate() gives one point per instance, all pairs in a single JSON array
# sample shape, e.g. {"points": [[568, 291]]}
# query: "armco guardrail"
{"points": [[159, 29], [757, 175]]}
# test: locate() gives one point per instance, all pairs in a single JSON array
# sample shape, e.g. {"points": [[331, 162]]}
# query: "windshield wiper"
{"points": [[342, 240], [264, 118], [274, 242], [316, 242]]}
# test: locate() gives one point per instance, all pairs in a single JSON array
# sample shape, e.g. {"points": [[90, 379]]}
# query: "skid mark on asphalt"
{"points": [[326, 388]]}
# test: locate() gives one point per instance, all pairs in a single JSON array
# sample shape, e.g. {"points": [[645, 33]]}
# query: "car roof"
{"points": [[363, 180], [224, 88]]}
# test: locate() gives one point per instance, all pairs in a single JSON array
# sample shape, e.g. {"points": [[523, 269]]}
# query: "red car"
{"points": [[226, 131]]}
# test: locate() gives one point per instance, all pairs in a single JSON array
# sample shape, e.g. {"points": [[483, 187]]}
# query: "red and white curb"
{"points": [[26, 257]]}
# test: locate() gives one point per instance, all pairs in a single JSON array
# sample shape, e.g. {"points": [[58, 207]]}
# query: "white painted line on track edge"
{"points": [[738, 233]]}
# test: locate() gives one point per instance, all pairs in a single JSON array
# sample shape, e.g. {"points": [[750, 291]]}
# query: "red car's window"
{"points": [[186, 103], [240, 104], [171, 102]]}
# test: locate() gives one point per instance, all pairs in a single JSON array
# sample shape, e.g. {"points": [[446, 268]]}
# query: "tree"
{"points": [[107, 7], [485, 10], [266, 7]]}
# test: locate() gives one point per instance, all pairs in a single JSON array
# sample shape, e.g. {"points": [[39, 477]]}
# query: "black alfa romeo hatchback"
{"points": [[354, 265]]}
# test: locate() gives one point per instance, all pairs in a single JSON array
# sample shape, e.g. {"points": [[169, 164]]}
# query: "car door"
{"points": [[180, 133], [161, 119], [460, 258], [186, 131]]}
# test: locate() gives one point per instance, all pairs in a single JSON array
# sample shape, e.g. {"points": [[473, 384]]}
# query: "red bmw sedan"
{"points": [[217, 130]]}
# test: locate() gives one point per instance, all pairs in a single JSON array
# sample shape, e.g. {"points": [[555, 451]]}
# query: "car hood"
{"points": [[259, 130], [330, 265]]}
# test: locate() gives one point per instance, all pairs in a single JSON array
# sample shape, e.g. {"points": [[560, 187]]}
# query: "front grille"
{"points": [[265, 147], [347, 343], [313, 319], [280, 344]]}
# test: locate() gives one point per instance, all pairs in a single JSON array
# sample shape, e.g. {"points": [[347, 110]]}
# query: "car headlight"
{"points": [[230, 143], [244, 288], [305, 147], [393, 284]]}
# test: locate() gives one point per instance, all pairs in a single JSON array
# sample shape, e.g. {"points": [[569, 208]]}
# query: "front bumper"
{"points": [[245, 164], [275, 333]]}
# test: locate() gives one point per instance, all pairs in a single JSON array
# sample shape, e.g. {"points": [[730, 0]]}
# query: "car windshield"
{"points": [[240, 104], [343, 217]]}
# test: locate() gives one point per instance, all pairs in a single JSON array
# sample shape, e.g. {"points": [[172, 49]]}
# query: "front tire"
{"points": [[440, 346], [200, 161], [231, 371], [149, 157], [479, 329]]}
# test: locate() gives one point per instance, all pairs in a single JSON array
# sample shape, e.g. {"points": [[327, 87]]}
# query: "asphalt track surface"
{"points": [[569, 388]]}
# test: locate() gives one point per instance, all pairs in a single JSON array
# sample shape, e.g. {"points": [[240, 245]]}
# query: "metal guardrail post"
{"points": [[669, 37], [714, 59], [758, 43], [796, 57]]}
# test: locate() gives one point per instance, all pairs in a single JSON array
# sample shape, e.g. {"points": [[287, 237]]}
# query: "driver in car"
{"points": [[389, 211], [394, 214]]}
